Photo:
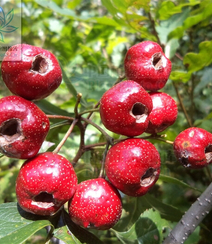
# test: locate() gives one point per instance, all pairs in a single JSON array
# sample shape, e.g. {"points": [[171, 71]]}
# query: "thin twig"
{"points": [[182, 105], [81, 149], [102, 170], [90, 111], [154, 29], [60, 117], [108, 138], [79, 96], [179, 56], [59, 146]]}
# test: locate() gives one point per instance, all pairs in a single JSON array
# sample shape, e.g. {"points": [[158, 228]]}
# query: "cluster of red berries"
{"points": [[46, 181], [132, 107]]}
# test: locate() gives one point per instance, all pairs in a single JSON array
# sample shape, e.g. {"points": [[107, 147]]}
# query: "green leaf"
{"points": [[92, 83], [50, 108], [171, 48], [205, 80], [73, 4], [166, 211], [74, 233], [16, 226], [57, 9], [7, 185], [198, 122], [201, 14], [132, 209], [197, 61], [180, 76], [63, 234], [71, 88], [127, 12], [148, 229], [168, 8], [175, 181], [71, 14], [168, 26]]}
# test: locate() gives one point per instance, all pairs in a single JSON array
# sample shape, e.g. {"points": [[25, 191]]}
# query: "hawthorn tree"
{"points": [[90, 39]]}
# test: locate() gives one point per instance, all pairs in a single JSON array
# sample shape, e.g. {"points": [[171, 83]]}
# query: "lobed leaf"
{"points": [[168, 8], [197, 61]]}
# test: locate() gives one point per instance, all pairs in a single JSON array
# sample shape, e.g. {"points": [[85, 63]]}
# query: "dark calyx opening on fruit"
{"points": [[10, 130], [208, 154], [40, 64], [157, 60], [139, 112], [185, 162], [185, 156], [148, 177], [44, 200]]}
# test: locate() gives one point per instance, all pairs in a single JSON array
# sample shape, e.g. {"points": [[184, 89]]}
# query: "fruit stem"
{"points": [[60, 117], [81, 149], [157, 137], [164, 140], [152, 21], [89, 111], [79, 96], [182, 105], [88, 147], [62, 123], [102, 170], [57, 149], [120, 78], [95, 107], [108, 138]]}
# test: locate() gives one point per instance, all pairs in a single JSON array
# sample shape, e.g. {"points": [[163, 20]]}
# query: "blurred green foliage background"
{"points": [[90, 39]]}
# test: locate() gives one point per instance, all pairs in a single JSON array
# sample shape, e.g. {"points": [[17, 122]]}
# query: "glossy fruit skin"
{"points": [[193, 147], [95, 204], [142, 65], [23, 127], [133, 166], [120, 108], [46, 173], [163, 114], [35, 76]]}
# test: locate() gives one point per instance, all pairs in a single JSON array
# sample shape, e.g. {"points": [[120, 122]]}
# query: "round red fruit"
{"points": [[133, 166], [23, 127], [147, 64], [96, 204], [35, 75], [45, 183], [163, 114], [124, 108], [193, 148]]}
